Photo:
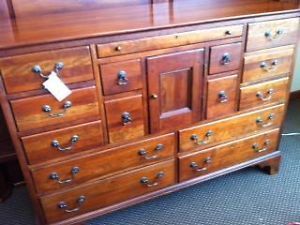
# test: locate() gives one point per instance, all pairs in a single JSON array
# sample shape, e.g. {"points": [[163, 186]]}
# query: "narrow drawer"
{"points": [[102, 164], [121, 76], [221, 96], [268, 63], [44, 110], [212, 133], [272, 34], [125, 118], [168, 41], [264, 93], [220, 157], [104, 193], [18, 75], [225, 58], [62, 142]]}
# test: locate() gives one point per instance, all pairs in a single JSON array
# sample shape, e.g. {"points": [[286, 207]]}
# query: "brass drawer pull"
{"points": [[47, 109], [126, 118], [262, 123], [226, 59], [144, 153], [266, 97], [56, 144], [145, 180], [206, 139], [197, 168], [74, 171], [122, 78], [223, 97], [265, 148], [63, 205], [57, 69], [269, 68], [273, 36]]}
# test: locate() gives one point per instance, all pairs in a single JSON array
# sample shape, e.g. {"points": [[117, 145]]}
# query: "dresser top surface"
{"points": [[119, 20]]}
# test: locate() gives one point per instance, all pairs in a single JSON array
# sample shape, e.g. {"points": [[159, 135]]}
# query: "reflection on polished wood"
{"points": [[81, 24]]}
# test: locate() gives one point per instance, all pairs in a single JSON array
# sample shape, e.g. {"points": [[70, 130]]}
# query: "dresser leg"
{"points": [[271, 166]]}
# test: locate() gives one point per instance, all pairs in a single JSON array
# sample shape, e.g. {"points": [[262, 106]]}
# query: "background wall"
{"points": [[296, 81]]}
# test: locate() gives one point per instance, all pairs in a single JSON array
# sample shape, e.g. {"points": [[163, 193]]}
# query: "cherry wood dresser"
{"points": [[164, 96]]}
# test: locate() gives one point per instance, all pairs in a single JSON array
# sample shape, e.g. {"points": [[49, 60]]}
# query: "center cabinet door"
{"points": [[175, 89]]}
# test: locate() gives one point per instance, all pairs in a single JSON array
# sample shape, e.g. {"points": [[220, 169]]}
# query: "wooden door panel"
{"points": [[175, 89]]}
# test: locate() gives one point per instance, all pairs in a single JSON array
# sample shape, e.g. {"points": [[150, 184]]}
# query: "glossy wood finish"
{"points": [[29, 112], [109, 191], [230, 128], [175, 89], [119, 128], [272, 34], [207, 161], [17, 69], [221, 96], [167, 41], [95, 165], [78, 25], [112, 76], [225, 58], [264, 93], [39, 147]]}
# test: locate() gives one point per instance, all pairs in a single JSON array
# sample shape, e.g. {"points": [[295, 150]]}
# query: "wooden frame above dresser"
{"points": [[177, 94]]}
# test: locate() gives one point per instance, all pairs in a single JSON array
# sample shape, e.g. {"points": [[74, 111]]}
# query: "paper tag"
{"points": [[56, 87]]}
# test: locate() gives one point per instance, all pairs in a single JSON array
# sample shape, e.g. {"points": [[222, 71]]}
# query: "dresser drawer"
{"points": [[168, 41], [121, 76], [272, 34], [221, 96], [104, 193], [104, 163], [125, 118], [212, 133], [18, 75], [268, 63], [225, 58], [220, 157], [44, 110], [264, 93], [63, 142]]}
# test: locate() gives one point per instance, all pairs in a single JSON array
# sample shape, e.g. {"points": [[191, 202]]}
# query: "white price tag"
{"points": [[57, 87]]}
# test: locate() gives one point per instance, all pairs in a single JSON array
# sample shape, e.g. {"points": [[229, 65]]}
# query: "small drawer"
{"points": [[121, 76], [225, 58], [18, 75], [125, 118], [107, 192], [264, 93], [63, 142], [213, 133], [76, 171], [230, 154], [267, 63], [221, 96], [272, 34], [168, 41], [44, 110]]}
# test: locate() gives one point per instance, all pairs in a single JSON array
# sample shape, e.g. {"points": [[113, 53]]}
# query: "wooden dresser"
{"points": [[164, 96]]}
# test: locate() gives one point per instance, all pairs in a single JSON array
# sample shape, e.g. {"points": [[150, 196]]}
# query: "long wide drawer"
{"points": [[233, 153], [74, 65], [271, 34], [104, 163], [44, 110], [168, 41], [107, 192], [264, 93], [212, 133], [63, 142]]}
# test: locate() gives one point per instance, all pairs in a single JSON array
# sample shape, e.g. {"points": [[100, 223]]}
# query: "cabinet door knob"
{"points": [[223, 97], [126, 118], [226, 59], [122, 78], [154, 96]]}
